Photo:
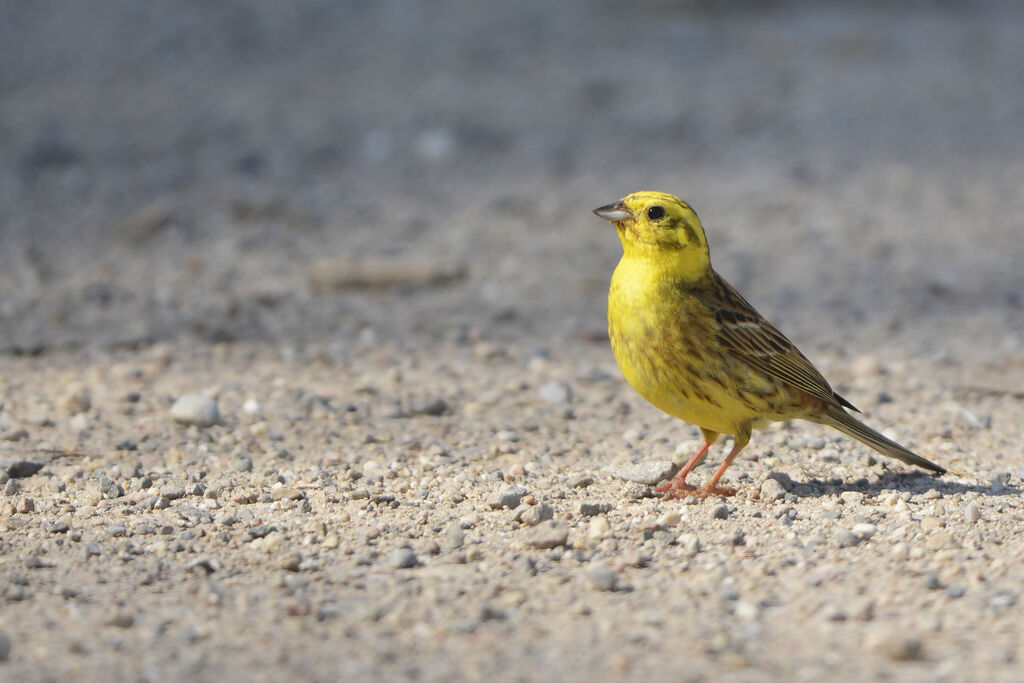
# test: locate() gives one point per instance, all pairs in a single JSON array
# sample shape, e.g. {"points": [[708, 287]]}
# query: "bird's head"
{"points": [[661, 228]]}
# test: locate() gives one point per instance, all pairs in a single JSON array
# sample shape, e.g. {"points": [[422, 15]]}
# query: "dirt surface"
{"points": [[356, 238]]}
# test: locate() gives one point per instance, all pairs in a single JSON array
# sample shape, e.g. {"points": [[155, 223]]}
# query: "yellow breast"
{"points": [[659, 336]]}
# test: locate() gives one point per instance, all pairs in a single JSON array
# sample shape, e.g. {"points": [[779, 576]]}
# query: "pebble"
{"points": [[11, 487], [846, 538], [599, 528], [547, 535], [940, 539], [453, 536], [20, 469], [900, 648], [772, 490], [602, 577], [432, 406], [852, 497], [5, 647], [110, 488], [670, 518], [689, 542], [865, 530], [25, 505], [650, 472], [195, 409], [506, 498], [956, 592], [535, 514], [403, 558], [591, 509], [172, 492], [291, 561], [580, 482], [1002, 598], [720, 511], [971, 513], [555, 392], [76, 399]]}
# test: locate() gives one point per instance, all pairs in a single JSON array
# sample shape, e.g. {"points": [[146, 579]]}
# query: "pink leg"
{"points": [[677, 488]]}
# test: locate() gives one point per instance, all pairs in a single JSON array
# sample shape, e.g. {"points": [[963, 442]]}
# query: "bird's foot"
{"points": [[705, 491], [675, 489]]}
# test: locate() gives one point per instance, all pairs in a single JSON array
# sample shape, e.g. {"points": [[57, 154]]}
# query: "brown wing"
{"points": [[745, 333]]}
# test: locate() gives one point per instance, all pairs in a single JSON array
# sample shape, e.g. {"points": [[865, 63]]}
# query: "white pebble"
{"points": [[195, 409]]}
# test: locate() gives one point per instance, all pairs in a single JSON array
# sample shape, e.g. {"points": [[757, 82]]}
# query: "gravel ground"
{"points": [[303, 368]]}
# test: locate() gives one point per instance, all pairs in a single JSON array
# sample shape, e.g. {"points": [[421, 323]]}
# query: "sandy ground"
{"points": [[362, 231]]}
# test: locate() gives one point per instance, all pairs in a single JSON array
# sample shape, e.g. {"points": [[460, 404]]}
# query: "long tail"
{"points": [[838, 418]]}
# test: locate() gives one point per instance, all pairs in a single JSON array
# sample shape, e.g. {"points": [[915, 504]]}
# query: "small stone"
{"points": [[121, 620], [555, 392], [290, 562], [331, 541], [285, 493], [453, 536], [195, 409], [846, 538], [940, 539], [865, 530], [547, 535], [19, 469], [76, 399], [852, 497], [901, 648], [432, 406], [14, 434], [110, 488], [971, 513], [506, 498], [635, 491], [591, 509], [5, 647], [931, 581], [670, 518], [1002, 598], [649, 472], [11, 487], [931, 523], [403, 558], [172, 492], [58, 528], [242, 463], [955, 592], [24, 505], [690, 543], [720, 511], [535, 514], [602, 577], [999, 477], [832, 612], [772, 490], [580, 482], [599, 528]]}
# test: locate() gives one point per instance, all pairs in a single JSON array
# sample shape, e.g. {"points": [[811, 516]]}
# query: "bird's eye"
{"points": [[656, 213]]}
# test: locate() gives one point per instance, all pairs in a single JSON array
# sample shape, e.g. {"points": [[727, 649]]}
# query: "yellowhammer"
{"points": [[692, 346]]}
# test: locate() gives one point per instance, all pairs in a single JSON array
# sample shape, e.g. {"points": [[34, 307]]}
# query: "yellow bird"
{"points": [[692, 346]]}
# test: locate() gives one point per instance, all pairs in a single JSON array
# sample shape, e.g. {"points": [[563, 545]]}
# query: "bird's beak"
{"points": [[613, 212]]}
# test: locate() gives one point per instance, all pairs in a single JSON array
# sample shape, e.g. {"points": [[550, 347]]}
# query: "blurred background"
{"points": [[341, 172]]}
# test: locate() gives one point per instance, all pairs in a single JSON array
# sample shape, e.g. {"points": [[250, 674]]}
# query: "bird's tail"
{"points": [[838, 418]]}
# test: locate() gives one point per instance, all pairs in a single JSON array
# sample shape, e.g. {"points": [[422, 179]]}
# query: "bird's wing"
{"points": [[746, 334]]}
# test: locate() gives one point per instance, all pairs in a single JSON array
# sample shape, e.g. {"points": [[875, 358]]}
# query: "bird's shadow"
{"points": [[915, 483]]}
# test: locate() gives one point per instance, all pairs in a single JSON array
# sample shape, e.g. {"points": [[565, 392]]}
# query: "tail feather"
{"points": [[839, 419]]}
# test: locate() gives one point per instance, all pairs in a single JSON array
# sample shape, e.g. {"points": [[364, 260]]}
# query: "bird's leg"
{"points": [[677, 488], [711, 488]]}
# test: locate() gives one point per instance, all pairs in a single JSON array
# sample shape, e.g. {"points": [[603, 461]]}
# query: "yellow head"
{"points": [[662, 229]]}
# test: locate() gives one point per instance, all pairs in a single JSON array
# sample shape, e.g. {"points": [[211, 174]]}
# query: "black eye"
{"points": [[656, 213]]}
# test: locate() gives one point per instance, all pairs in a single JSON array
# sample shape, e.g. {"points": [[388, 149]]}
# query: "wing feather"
{"points": [[746, 334]]}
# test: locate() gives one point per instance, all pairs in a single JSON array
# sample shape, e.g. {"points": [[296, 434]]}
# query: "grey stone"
{"points": [[5, 647], [555, 392], [720, 511], [772, 490], [172, 492], [535, 514], [433, 406], [649, 472], [846, 538], [549, 534], [23, 468], [506, 498], [602, 577], [195, 409], [971, 513], [110, 488], [454, 536], [590, 509], [403, 558]]}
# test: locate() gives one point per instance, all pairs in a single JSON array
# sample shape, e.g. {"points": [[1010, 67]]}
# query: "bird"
{"points": [[690, 344]]}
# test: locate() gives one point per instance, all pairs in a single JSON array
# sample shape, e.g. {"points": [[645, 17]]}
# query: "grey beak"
{"points": [[614, 212]]}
